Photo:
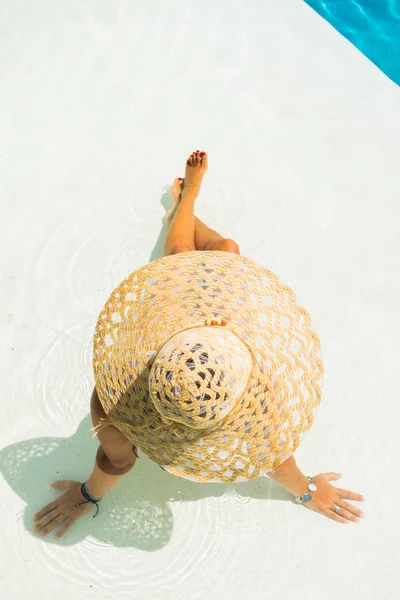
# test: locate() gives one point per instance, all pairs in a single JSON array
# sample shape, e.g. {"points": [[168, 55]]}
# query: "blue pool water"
{"points": [[373, 26]]}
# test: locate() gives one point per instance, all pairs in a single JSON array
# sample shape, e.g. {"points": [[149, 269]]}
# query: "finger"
{"points": [[350, 495], [332, 476], [352, 509], [60, 484], [65, 528], [348, 515], [49, 524], [336, 517], [45, 510]]}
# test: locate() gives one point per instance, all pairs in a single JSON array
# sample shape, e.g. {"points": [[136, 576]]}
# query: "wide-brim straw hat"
{"points": [[207, 364]]}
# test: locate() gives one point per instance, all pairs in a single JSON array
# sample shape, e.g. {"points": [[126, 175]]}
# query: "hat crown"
{"points": [[198, 376]]}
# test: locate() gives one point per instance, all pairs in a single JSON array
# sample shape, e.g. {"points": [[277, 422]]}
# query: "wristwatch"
{"points": [[311, 487]]}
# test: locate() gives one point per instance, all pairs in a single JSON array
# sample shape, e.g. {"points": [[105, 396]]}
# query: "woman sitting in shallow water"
{"points": [[229, 420]]}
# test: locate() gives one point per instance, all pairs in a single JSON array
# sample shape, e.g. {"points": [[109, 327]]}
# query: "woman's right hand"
{"points": [[62, 509]]}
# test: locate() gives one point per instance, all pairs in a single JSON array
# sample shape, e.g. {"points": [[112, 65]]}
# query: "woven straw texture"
{"points": [[208, 403]]}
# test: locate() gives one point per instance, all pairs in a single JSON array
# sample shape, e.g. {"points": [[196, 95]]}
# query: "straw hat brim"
{"points": [[178, 292]]}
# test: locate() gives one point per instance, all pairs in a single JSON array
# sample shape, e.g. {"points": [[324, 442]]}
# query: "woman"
{"points": [[218, 403]]}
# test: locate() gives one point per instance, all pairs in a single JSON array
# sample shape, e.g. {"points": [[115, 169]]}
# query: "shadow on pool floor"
{"points": [[135, 513]]}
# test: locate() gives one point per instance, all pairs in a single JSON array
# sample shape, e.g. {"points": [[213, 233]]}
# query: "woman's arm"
{"points": [[115, 456], [289, 476], [325, 498], [99, 483]]}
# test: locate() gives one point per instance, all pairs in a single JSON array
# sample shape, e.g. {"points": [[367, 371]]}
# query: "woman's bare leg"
{"points": [[204, 237], [202, 233], [180, 237]]}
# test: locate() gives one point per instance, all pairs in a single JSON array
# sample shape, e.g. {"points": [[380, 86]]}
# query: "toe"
{"points": [[204, 159]]}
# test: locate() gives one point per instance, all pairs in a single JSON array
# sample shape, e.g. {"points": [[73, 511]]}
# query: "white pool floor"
{"points": [[101, 102]]}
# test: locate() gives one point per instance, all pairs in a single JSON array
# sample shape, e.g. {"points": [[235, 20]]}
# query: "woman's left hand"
{"points": [[327, 497]]}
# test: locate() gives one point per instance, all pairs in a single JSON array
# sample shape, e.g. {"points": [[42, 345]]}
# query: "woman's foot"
{"points": [[196, 167], [176, 191]]}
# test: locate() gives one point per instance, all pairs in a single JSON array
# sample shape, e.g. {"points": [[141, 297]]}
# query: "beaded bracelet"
{"points": [[89, 498], [312, 488]]}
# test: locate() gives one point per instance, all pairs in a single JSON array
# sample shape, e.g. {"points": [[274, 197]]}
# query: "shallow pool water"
{"points": [[371, 25], [100, 104]]}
